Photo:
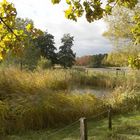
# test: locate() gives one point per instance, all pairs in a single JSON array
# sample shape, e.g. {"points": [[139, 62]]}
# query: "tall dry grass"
{"points": [[37, 100]]}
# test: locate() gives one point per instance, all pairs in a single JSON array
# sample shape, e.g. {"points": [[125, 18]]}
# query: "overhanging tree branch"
{"points": [[9, 28]]}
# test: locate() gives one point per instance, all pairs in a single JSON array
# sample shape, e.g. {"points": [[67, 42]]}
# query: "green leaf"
{"points": [[68, 2], [29, 27], [55, 1], [108, 9]]}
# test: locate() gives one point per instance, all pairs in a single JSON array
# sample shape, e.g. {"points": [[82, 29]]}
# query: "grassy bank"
{"points": [[14, 81], [125, 127], [40, 99]]}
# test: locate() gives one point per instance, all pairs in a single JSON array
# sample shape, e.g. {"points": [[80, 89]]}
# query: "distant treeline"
{"points": [[118, 58], [98, 60]]}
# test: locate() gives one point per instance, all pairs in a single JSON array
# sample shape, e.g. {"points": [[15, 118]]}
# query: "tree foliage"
{"points": [[122, 56], [30, 55], [124, 24], [96, 60], [10, 37], [93, 9], [66, 57], [97, 9], [134, 62], [124, 29], [44, 63], [13, 37], [83, 61], [136, 29], [46, 44]]}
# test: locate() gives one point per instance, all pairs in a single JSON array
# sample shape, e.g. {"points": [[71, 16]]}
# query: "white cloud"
{"points": [[88, 36]]}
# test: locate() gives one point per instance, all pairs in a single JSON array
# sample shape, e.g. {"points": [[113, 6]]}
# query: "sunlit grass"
{"points": [[125, 127], [41, 99]]}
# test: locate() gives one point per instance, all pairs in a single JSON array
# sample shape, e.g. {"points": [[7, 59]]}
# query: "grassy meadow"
{"points": [[42, 100]]}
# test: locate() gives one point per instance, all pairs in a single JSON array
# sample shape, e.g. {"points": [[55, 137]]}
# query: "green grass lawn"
{"points": [[125, 127]]}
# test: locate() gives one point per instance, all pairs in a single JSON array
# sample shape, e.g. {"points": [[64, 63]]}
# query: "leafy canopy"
{"points": [[66, 56], [11, 37], [97, 9], [124, 23], [93, 9], [134, 62], [47, 47], [124, 30]]}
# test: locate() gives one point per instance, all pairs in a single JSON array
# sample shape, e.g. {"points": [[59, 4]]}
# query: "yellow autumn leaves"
{"points": [[12, 38]]}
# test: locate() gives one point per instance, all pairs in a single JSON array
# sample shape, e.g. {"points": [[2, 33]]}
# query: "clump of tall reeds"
{"points": [[37, 100], [33, 112]]}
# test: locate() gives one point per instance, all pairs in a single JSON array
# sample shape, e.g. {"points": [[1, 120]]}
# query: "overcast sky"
{"points": [[88, 36]]}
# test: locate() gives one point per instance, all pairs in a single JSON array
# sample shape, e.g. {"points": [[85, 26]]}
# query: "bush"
{"points": [[44, 63]]}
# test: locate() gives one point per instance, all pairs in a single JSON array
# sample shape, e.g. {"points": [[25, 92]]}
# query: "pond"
{"points": [[96, 91]]}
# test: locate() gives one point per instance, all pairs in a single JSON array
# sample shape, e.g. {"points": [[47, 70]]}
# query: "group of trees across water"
{"points": [[97, 60], [41, 51], [37, 50], [19, 37]]}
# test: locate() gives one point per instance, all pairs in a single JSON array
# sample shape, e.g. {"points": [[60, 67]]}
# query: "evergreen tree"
{"points": [[66, 56], [46, 44]]}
